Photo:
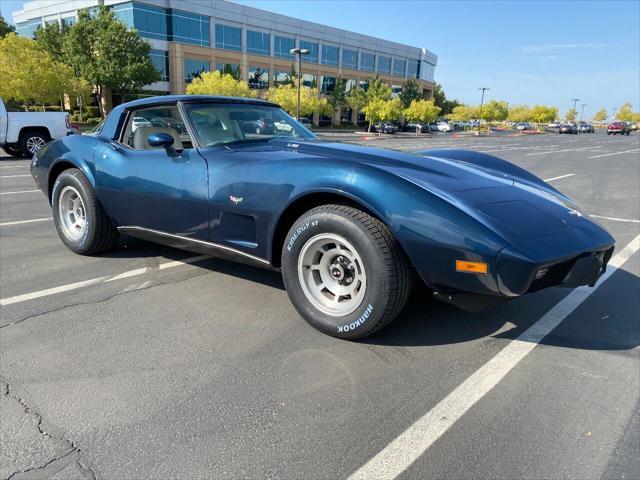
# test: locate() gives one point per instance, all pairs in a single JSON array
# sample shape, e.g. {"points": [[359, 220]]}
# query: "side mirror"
{"points": [[160, 139]]}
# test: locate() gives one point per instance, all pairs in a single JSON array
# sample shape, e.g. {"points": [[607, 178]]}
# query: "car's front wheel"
{"points": [[344, 271], [80, 220]]}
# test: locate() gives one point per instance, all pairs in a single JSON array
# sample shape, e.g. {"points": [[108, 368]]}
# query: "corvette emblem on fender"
{"points": [[236, 200]]}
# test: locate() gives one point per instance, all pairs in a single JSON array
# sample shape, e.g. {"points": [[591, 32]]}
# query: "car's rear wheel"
{"points": [[344, 272], [81, 222], [31, 141]]}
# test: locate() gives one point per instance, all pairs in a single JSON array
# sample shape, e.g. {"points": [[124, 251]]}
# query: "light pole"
{"points": [[481, 103], [575, 102], [613, 113], [582, 111], [299, 52]]}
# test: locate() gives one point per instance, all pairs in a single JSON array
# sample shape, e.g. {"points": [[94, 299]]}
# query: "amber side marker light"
{"points": [[471, 267]]}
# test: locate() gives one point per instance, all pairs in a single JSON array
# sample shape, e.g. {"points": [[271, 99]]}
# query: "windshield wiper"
{"points": [[240, 142]]}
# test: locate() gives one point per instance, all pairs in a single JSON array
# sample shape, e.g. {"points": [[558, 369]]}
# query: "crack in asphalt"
{"points": [[72, 449], [144, 286]]}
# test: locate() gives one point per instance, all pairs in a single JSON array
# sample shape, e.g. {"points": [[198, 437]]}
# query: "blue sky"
{"points": [[527, 52]]}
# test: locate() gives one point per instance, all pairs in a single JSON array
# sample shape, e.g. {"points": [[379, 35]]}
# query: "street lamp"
{"points": [[299, 52], [575, 102], [481, 103], [582, 111]]}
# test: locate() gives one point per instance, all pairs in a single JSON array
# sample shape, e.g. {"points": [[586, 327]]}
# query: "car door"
{"points": [[153, 189]]}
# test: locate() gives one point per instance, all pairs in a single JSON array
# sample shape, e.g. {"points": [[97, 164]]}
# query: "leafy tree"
{"points": [[30, 75], [357, 98], [543, 114], [256, 80], [235, 72], [425, 111], [310, 100], [5, 27], [380, 110], [625, 112], [463, 113], [378, 89], [601, 115], [571, 115], [520, 113], [410, 91], [217, 83], [50, 38], [107, 54], [495, 111], [440, 98]]}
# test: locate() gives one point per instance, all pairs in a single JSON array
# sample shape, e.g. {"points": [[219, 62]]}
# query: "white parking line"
{"points": [[14, 176], [396, 457], [19, 191], [558, 178], [616, 153], [616, 219], [18, 222], [565, 150], [94, 281], [14, 166]]}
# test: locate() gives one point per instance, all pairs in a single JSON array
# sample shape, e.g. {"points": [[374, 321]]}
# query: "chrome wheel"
{"points": [[72, 213], [35, 143], [332, 274]]}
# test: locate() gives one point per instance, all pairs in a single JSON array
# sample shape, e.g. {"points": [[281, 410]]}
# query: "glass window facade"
{"points": [[313, 51], [330, 55], [150, 21], [282, 46], [282, 77], [349, 58], [399, 65], [328, 84], [160, 60], [68, 21], [384, 64], [367, 62], [193, 68], [427, 71], [190, 28], [28, 29], [309, 80], [232, 69], [258, 43], [364, 85], [228, 38], [413, 69], [258, 77]]}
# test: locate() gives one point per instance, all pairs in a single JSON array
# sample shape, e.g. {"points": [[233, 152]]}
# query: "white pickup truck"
{"points": [[23, 133]]}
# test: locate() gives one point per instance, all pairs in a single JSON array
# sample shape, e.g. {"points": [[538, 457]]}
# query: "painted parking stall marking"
{"points": [[560, 177], [15, 176], [95, 281], [19, 191], [398, 455], [615, 219], [616, 153], [19, 222]]}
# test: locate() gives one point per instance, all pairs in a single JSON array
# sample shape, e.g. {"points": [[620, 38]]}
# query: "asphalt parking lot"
{"points": [[149, 362]]}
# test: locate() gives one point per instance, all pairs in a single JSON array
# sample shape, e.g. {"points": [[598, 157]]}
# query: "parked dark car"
{"points": [[260, 126], [585, 127], [569, 128], [385, 127], [616, 128], [413, 126], [349, 227]]}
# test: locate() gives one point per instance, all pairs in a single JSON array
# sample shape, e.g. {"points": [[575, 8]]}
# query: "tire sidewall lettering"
{"points": [[358, 322], [299, 231]]}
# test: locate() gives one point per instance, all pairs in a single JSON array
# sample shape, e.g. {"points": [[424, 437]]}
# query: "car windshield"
{"points": [[228, 123]]}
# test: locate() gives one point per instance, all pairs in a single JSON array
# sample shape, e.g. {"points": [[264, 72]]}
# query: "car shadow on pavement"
{"points": [[607, 320]]}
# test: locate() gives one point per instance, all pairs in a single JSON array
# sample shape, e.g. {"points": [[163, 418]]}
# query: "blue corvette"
{"points": [[349, 227]]}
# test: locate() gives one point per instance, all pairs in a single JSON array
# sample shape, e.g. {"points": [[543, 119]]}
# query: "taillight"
{"points": [[67, 122]]}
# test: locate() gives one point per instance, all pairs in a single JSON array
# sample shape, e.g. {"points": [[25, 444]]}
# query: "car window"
{"points": [[164, 119], [224, 124]]}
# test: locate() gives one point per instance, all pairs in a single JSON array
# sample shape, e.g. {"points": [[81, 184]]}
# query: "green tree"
{"points": [[543, 114], [463, 113], [5, 27], [425, 111], [625, 112], [440, 98], [601, 115], [222, 84], [234, 71], [495, 111], [50, 38], [380, 110], [520, 113], [410, 91], [571, 115], [310, 100], [108, 55], [338, 95], [29, 75]]}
